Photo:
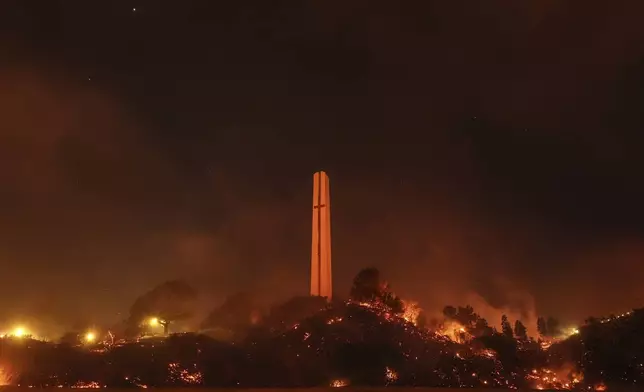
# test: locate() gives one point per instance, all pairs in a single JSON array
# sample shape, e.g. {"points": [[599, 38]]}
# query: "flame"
{"points": [[454, 331], [545, 344], [411, 312], [6, 376], [88, 385], [390, 375], [179, 374], [562, 378], [339, 383], [488, 353]]}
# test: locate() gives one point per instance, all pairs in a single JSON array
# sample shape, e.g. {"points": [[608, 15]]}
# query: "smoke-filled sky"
{"points": [[481, 152]]}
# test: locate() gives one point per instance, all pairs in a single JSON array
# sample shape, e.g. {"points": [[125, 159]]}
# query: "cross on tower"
{"points": [[321, 284]]}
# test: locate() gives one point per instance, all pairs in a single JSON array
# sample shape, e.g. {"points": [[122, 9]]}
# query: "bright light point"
{"points": [[90, 337], [339, 383], [134, 9], [153, 322], [19, 332]]}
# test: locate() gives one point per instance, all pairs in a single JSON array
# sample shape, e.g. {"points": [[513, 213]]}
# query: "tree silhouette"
{"points": [[553, 326], [470, 320], [482, 328], [542, 328], [549, 327], [168, 302], [506, 328], [466, 316], [369, 287], [449, 312], [520, 331]]}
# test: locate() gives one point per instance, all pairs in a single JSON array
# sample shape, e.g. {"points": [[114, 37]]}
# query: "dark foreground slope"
{"points": [[350, 344]]}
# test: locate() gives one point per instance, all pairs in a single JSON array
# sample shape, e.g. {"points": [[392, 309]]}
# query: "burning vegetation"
{"points": [[372, 339]]}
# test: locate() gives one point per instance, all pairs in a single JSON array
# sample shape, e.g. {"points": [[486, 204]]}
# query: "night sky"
{"points": [[478, 152]]}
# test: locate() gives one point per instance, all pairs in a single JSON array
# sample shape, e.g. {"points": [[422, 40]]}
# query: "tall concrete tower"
{"points": [[321, 284]]}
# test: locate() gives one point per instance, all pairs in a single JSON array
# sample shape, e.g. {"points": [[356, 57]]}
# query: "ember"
{"points": [[390, 375], [180, 375], [317, 341], [6, 377], [412, 312], [88, 385], [339, 383]]}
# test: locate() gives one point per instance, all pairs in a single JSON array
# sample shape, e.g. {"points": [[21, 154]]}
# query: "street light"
{"points": [[155, 322], [19, 332], [90, 337]]}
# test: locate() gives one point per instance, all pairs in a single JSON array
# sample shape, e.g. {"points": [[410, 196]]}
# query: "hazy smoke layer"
{"points": [[471, 159]]}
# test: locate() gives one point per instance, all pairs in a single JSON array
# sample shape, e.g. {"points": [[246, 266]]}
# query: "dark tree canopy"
{"points": [[542, 328], [170, 301], [553, 326], [368, 286], [520, 331], [449, 312], [506, 328], [482, 328], [466, 316], [469, 319], [549, 327]]}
